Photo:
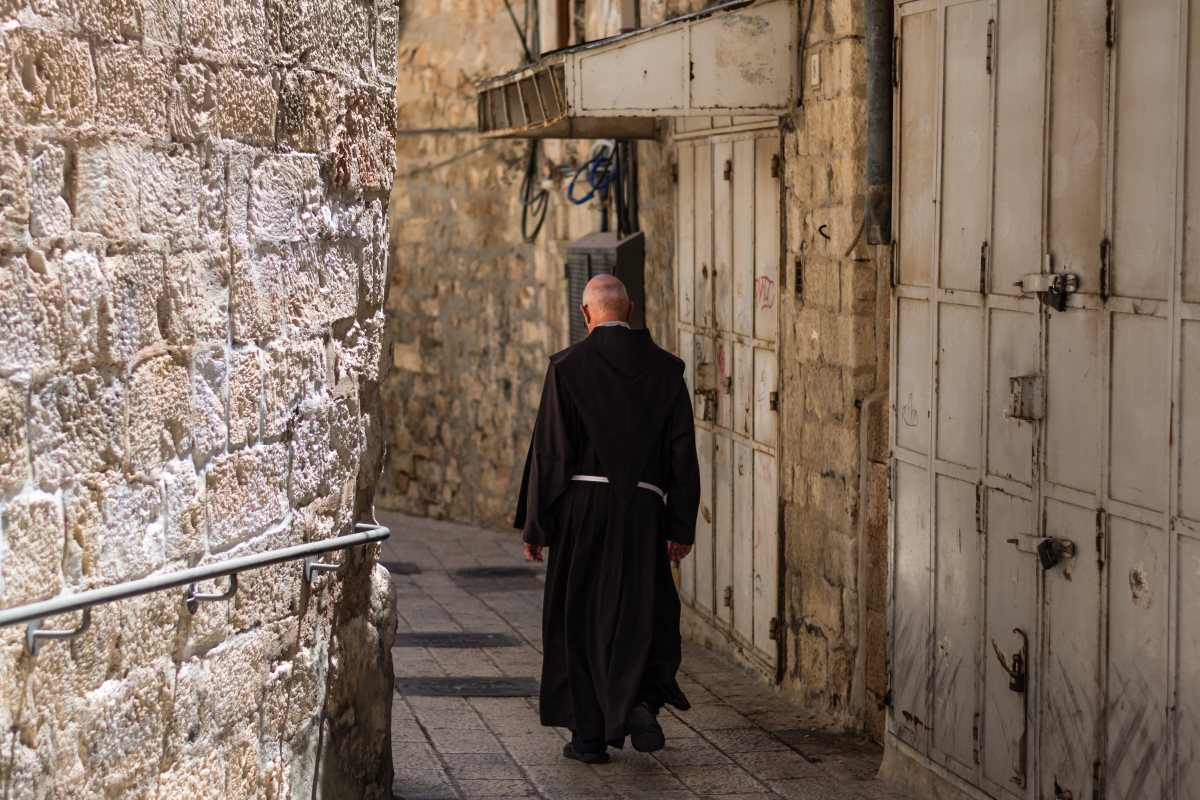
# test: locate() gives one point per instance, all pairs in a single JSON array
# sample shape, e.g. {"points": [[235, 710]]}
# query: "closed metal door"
{"points": [[1069, 401], [727, 208]]}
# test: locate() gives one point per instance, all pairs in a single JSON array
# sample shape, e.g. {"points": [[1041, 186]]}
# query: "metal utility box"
{"points": [[604, 252]]}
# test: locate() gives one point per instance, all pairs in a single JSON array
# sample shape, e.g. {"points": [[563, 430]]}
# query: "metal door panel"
{"points": [[1071, 659], [766, 551], [1187, 734], [723, 522], [960, 384], [1140, 411], [1077, 136], [687, 567], [703, 296], [1188, 503], [766, 386], [743, 389], [725, 368], [910, 610], [1137, 695], [966, 166], [1147, 67], [702, 557], [706, 361], [766, 240], [1074, 398], [722, 231], [1013, 345], [687, 352], [956, 622], [1011, 594], [743, 237], [911, 398], [686, 234], [1016, 248], [743, 541], [1191, 242], [918, 142]]}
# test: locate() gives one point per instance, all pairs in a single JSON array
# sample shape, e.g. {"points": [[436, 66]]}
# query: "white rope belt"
{"points": [[602, 479]]}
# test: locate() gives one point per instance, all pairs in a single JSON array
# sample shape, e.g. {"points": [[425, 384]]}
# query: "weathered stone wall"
{"points": [[475, 313], [192, 273]]}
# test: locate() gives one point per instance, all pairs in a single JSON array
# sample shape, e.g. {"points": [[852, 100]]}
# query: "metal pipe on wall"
{"points": [[877, 211]]}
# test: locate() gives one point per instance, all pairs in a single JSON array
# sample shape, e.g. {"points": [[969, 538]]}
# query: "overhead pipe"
{"points": [[877, 211]]}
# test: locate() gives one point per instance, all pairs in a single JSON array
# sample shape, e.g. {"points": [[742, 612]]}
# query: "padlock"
{"points": [[1047, 553], [1056, 299], [1016, 676]]}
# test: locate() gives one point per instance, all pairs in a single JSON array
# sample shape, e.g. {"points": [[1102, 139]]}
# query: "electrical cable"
{"points": [[529, 59], [533, 203]]}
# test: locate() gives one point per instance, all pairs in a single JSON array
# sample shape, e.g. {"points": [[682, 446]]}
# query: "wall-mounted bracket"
{"points": [[193, 598], [34, 635], [312, 566]]}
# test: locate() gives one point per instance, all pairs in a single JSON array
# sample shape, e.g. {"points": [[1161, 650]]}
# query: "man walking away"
{"points": [[611, 488]]}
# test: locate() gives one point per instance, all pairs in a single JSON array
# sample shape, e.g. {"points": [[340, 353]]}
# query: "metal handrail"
{"points": [[33, 614]]}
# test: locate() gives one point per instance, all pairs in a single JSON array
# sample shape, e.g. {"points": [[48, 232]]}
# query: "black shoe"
{"points": [[641, 723], [587, 758]]}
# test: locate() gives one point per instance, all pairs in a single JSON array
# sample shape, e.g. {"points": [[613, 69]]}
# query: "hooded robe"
{"points": [[614, 405]]}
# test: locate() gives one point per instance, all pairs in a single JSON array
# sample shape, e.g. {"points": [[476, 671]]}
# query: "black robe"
{"points": [[613, 405]]}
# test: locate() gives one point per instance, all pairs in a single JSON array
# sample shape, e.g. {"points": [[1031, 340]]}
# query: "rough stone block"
{"points": [[134, 284], [821, 604], [306, 309], [31, 312], [276, 396], [341, 265], [245, 396], [14, 185], [49, 213], [197, 297], [309, 105], [184, 524], [111, 19], [192, 112], [54, 82], [14, 447], [123, 737], [83, 304], [247, 493], [161, 20], [210, 389], [308, 371], [336, 36], [130, 542], [159, 412], [387, 34], [76, 425], [31, 558], [229, 26], [312, 458], [812, 653], [364, 148], [132, 88], [247, 107], [171, 192], [108, 182], [284, 197], [259, 293]]}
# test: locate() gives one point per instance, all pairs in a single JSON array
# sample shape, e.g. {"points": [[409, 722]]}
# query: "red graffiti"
{"points": [[764, 292]]}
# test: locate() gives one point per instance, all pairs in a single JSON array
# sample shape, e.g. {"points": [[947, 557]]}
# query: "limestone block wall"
{"points": [[193, 252]]}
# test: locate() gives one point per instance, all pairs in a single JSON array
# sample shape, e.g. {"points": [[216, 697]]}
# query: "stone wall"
{"points": [[192, 273], [475, 312]]}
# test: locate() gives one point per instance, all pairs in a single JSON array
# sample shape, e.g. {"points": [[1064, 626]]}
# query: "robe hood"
{"points": [[623, 386]]}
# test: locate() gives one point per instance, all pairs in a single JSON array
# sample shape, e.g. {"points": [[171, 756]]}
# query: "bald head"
{"points": [[605, 300]]}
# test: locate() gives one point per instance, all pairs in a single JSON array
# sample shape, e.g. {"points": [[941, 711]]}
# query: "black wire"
{"points": [[534, 203], [520, 33], [803, 49]]}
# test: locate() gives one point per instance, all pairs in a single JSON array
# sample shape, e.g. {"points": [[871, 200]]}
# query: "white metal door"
{"points": [[727, 209], [1079, 427]]}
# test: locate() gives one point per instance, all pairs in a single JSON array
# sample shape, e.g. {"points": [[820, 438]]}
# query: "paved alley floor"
{"points": [[465, 724]]}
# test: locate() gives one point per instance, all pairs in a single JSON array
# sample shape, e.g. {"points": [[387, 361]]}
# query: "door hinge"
{"points": [[774, 401], [674, 173], [773, 633], [1110, 24], [975, 737], [1097, 781], [892, 264], [983, 265], [728, 174], [774, 166], [891, 478], [980, 501], [991, 32], [895, 62], [1101, 531], [1105, 249], [728, 598]]}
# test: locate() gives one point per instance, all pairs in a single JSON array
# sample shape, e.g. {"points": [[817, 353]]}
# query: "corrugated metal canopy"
{"points": [[738, 58]]}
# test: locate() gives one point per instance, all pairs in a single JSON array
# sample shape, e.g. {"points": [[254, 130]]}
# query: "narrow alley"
{"points": [[464, 718]]}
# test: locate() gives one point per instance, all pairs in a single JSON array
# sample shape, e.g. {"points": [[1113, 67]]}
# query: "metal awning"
{"points": [[738, 58]]}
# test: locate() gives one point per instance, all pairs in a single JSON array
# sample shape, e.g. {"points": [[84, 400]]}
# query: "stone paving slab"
{"points": [[740, 741]]}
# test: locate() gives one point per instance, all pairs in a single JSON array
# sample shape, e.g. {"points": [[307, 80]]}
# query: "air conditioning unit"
{"points": [[604, 252]]}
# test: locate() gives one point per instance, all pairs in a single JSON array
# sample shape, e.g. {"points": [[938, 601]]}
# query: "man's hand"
{"points": [[533, 552], [677, 551]]}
